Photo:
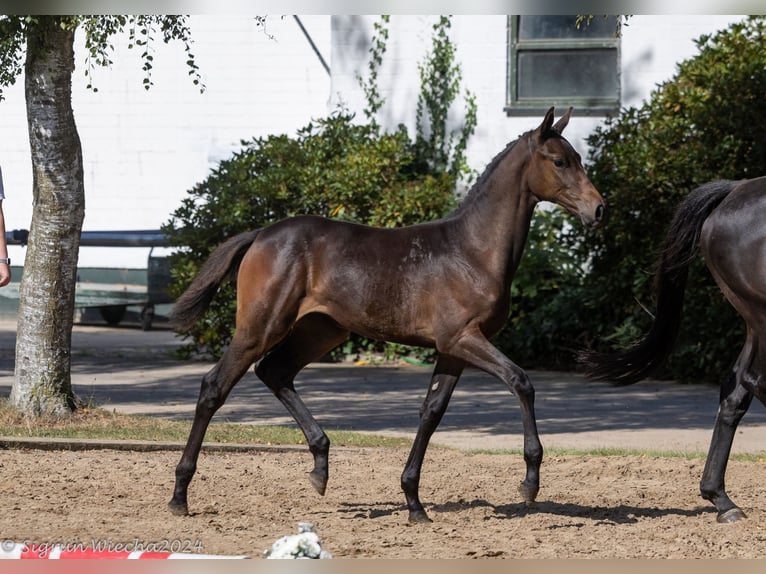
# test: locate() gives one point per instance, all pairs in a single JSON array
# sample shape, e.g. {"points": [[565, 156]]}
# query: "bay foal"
{"points": [[305, 283]]}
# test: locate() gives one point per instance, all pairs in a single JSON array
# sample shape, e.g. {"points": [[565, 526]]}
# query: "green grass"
{"points": [[95, 423]]}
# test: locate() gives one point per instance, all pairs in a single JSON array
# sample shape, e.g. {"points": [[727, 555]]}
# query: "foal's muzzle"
{"points": [[591, 216], [599, 216]]}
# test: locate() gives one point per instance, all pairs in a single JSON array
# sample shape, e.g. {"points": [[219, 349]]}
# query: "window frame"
{"points": [[515, 106]]}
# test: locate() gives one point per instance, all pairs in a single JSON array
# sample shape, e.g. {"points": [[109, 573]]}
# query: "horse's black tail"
{"points": [[222, 263], [630, 365]]}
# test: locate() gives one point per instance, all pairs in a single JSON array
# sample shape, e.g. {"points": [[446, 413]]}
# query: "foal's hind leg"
{"points": [[734, 402], [445, 377], [312, 337], [216, 385]]}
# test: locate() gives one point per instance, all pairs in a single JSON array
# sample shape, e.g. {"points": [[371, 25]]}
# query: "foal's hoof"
{"points": [[178, 509], [419, 517], [528, 493], [732, 515], [318, 481]]}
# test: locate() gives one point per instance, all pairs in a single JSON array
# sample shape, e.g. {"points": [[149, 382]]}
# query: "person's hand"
{"points": [[5, 274]]}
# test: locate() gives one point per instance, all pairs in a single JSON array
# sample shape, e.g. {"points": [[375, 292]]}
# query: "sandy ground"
{"points": [[240, 503], [588, 507]]}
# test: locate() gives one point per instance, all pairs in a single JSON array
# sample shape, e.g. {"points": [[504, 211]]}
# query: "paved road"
{"points": [[130, 371]]}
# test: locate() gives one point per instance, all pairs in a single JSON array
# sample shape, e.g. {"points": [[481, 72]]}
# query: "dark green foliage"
{"points": [[706, 123], [12, 40]]}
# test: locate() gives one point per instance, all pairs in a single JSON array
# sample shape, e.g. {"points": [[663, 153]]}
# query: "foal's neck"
{"points": [[497, 212]]}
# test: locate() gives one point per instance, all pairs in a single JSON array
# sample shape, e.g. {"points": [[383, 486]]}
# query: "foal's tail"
{"points": [[222, 263], [630, 365]]}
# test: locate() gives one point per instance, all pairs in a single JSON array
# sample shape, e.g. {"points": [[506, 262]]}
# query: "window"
{"points": [[553, 63]]}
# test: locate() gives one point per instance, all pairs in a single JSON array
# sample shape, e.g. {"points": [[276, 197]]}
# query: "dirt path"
{"points": [[594, 507], [589, 507]]}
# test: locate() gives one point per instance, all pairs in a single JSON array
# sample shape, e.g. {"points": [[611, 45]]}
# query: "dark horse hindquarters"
{"points": [[725, 218], [305, 283]]}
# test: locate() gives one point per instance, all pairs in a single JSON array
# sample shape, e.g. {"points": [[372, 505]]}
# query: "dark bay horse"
{"points": [[305, 283], [728, 221]]}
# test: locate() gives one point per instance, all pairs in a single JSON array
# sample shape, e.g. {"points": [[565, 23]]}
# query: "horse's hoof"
{"points": [[178, 509], [732, 515], [318, 481], [528, 493], [419, 517]]}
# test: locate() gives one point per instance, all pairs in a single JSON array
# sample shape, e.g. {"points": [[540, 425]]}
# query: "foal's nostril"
{"points": [[600, 212]]}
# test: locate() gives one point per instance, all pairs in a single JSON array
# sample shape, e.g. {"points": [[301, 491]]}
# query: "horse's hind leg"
{"points": [[312, 337], [445, 377], [734, 402], [216, 385]]}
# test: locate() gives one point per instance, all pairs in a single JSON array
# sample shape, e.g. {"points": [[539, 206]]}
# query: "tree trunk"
{"points": [[42, 384]]}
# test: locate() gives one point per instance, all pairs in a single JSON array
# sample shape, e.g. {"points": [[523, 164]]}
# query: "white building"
{"points": [[143, 149]]}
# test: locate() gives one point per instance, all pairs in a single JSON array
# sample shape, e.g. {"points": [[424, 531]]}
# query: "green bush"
{"points": [[706, 123]]}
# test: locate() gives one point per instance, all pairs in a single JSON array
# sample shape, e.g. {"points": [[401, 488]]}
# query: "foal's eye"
{"points": [[559, 162]]}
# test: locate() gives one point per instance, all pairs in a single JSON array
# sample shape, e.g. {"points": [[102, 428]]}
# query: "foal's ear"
{"points": [[547, 123], [563, 121]]}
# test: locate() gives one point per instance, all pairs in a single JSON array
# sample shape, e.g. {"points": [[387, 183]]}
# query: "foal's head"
{"points": [[555, 172]]}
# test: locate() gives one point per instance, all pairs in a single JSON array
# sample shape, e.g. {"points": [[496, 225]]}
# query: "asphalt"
{"points": [[131, 371]]}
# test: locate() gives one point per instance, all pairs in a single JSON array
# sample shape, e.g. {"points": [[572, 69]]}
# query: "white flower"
{"points": [[305, 544]]}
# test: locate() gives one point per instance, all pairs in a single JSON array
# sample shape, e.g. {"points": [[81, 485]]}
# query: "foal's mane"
{"points": [[478, 187]]}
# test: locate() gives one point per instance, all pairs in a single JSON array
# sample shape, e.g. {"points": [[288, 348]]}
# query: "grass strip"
{"points": [[100, 424]]}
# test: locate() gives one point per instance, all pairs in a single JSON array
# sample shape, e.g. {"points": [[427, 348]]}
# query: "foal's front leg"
{"points": [[445, 377], [475, 349]]}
